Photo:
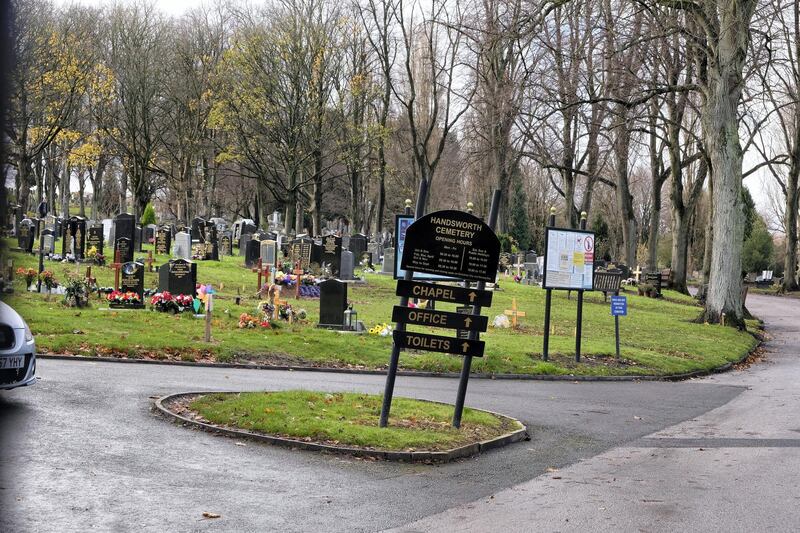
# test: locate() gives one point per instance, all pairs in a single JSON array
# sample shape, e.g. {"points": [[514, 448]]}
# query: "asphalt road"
{"points": [[82, 451], [734, 468]]}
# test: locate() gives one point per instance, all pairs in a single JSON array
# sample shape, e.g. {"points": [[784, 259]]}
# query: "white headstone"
{"points": [[182, 249]]}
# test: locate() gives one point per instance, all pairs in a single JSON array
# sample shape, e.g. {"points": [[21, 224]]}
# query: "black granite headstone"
{"points": [[332, 253], [125, 248], [163, 240], [226, 243], [252, 253], [132, 280], [332, 303], [94, 239], [178, 277], [358, 245]]}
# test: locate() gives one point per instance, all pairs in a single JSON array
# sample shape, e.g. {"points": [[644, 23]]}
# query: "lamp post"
{"points": [[42, 209]]}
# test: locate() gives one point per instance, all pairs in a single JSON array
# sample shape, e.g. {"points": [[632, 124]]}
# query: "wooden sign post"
{"points": [[459, 246]]}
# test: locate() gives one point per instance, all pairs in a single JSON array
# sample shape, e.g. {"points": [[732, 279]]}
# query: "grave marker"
{"points": [[514, 313]]}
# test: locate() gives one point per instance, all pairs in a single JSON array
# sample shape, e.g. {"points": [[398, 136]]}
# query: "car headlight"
{"points": [[28, 334]]}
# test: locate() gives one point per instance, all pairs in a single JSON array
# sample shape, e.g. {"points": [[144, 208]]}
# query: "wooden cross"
{"points": [[89, 279], [262, 270], [297, 272], [637, 273], [116, 265], [514, 313], [149, 260], [277, 303]]}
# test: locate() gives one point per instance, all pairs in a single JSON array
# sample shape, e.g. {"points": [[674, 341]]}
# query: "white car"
{"points": [[17, 350]]}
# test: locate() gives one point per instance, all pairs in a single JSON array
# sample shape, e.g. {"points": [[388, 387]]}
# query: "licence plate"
{"points": [[17, 361]]}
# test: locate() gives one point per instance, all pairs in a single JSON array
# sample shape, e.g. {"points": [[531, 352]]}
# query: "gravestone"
{"points": [[108, 226], [94, 239], [76, 243], [125, 248], [358, 245], [51, 223], [374, 253], [316, 253], [150, 233], [530, 257], [531, 272], [505, 262], [48, 242], [220, 223], [124, 227], [138, 237], [268, 252], [198, 224], [388, 261], [245, 238], [332, 253], [211, 241], [347, 265], [183, 246], [26, 235], [226, 243], [252, 253], [332, 304], [301, 252], [132, 280], [163, 242], [178, 276]]}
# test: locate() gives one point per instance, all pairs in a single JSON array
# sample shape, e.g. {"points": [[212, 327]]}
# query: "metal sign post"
{"points": [[548, 298], [619, 307], [459, 246], [579, 326], [391, 373]]}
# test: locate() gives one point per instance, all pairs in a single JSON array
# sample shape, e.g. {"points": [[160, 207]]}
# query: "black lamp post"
{"points": [[42, 213]]}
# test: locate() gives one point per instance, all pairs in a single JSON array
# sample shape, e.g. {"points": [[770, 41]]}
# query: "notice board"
{"points": [[569, 259]]}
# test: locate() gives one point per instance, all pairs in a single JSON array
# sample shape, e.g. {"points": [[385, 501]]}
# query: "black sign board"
{"points": [[443, 293], [465, 310], [607, 281], [452, 243], [438, 343], [439, 319]]}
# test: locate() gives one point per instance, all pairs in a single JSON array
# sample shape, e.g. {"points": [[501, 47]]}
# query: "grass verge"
{"points": [[349, 419], [658, 337]]}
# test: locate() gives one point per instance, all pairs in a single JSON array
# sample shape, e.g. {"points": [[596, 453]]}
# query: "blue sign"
{"points": [[619, 306]]}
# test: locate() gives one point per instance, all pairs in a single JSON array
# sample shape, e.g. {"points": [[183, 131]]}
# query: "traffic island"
{"points": [[419, 431]]}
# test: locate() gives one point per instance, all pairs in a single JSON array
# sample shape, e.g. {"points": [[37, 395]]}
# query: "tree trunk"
{"points": [[23, 198], [792, 201], [81, 195], [655, 219], [123, 190], [64, 188], [721, 128], [622, 139]]}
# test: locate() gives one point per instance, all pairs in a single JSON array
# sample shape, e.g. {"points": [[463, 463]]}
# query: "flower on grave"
{"points": [[517, 279], [381, 329], [184, 300], [28, 273], [265, 308], [49, 279], [91, 253], [301, 314], [76, 292], [247, 321], [114, 297], [308, 279]]}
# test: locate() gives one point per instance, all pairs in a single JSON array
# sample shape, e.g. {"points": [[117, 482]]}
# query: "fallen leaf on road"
{"points": [[206, 514], [551, 469]]}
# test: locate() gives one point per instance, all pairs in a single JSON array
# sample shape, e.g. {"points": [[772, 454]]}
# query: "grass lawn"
{"points": [[351, 419], [658, 337]]}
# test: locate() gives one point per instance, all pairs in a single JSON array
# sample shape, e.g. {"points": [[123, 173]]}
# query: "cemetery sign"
{"points": [[452, 243]]}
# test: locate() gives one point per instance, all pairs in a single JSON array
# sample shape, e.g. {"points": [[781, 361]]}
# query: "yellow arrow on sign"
{"points": [[472, 296], [467, 322], [465, 347]]}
